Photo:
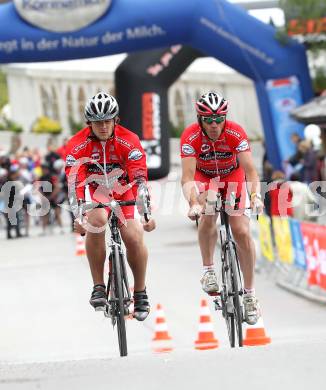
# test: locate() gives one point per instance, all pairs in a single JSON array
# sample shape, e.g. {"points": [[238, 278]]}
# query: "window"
{"points": [[69, 103], [81, 103], [54, 104], [46, 102]]}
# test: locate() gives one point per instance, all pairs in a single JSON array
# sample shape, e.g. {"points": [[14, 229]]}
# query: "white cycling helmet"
{"points": [[211, 103], [101, 107]]}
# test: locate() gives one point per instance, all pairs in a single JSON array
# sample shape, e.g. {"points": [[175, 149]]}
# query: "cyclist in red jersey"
{"points": [[216, 156], [96, 156]]}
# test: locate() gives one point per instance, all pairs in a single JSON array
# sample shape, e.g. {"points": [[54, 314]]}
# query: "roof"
{"points": [[311, 112]]}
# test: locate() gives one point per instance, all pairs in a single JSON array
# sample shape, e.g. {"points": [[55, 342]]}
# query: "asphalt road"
{"points": [[50, 338]]}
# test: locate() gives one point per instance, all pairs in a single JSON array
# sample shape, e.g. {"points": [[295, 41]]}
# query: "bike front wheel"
{"points": [[226, 300], [119, 302], [236, 282]]}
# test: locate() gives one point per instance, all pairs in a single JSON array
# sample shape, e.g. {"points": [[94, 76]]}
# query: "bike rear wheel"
{"points": [[119, 302]]}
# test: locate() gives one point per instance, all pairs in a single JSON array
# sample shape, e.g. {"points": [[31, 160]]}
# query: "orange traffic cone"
{"points": [[80, 245], [255, 334], [206, 338], [161, 339]]}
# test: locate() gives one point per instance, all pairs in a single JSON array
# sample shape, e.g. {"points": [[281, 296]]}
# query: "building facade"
{"points": [[60, 92]]}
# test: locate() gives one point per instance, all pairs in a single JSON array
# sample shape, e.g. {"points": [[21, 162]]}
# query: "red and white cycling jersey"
{"points": [[217, 158], [123, 150]]}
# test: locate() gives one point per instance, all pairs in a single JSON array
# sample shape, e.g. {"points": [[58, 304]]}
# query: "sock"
{"points": [[98, 285], [141, 291], [249, 291], [208, 268]]}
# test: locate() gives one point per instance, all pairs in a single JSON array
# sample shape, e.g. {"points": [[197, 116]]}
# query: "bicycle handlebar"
{"points": [[113, 204], [219, 204]]}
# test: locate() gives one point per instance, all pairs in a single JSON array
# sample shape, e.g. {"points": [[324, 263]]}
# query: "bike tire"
{"points": [[119, 312], [238, 312], [227, 287]]}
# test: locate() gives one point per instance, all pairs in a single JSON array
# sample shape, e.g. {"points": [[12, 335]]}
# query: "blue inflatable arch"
{"points": [[214, 27]]}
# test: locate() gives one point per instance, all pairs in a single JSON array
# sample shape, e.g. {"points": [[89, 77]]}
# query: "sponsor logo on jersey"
{"points": [[123, 142], [194, 136], [70, 160], [205, 148], [243, 145], [208, 171], [99, 168], [224, 171], [135, 155], [81, 146], [215, 155], [233, 132], [95, 156], [187, 149]]}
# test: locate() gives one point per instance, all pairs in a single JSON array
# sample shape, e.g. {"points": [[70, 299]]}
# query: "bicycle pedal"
{"points": [[218, 305]]}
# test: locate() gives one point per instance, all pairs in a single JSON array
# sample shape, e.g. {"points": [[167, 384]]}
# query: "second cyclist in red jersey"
{"points": [[216, 156]]}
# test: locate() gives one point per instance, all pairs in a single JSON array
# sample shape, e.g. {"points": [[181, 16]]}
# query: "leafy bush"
{"points": [[3, 89], [319, 80], [75, 126], [176, 131], [45, 125], [10, 125]]}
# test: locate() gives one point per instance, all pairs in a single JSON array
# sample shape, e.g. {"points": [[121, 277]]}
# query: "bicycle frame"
{"points": [[118, 292]]}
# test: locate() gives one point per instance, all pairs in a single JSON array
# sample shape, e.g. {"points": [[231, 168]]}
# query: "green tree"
{"points": [[303, 10], [3, 90]]}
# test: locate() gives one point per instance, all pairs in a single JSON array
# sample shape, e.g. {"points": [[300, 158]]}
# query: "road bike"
{"points": [[118, 291], [229, 299]]}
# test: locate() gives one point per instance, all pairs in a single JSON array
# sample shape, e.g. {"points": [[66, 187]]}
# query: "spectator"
{"points": [[3, 180], [13, 201], [50, 197], [302, 199], [267, 178], [4, 160], [280, 196], [51, 157], [296, 157], [293, 164], [27, 178], [309, 162]]}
